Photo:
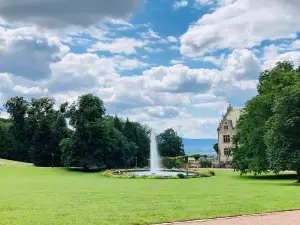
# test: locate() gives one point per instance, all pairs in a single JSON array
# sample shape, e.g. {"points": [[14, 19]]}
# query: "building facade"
{"points": [[226, 131]]}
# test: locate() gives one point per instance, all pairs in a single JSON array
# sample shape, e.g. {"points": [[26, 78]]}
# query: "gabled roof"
{"points": [[233, 115]]}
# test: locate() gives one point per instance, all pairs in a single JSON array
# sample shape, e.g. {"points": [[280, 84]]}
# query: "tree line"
{"points": [[37, 132], [268, 131]]}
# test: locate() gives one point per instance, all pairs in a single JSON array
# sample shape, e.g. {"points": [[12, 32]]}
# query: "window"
{"points": [[226, 151], [226, 138], [225, 127]]}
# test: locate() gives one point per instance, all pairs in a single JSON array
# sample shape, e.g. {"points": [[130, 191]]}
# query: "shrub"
{"points": [[205, 174], [206, 164], [212, 172], [181, 176], [171, 162]]}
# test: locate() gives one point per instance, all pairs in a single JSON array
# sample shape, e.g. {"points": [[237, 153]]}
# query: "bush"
{"points": [[206, 164], [212, 172], [205, 174], [181, 176], [171, 162]]}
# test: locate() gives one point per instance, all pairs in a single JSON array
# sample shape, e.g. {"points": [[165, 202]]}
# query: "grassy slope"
{"points": [[55, 196], [10, 163]]}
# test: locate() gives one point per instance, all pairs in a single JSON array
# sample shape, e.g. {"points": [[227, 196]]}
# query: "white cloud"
{"points": [[180, 4], [163, 111], [179, 78], [217, 61], [241, 24], [175, 48], [4, 115], [293, 56], [30, 91], [242, 65], [61, 14], [173, 61], [150, 34], [28, 53], [126, 46], [152, 50], [172, 39], [295, 44]]}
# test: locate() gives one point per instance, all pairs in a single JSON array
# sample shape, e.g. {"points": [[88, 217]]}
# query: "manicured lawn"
{"points": [[31, 195], [5, 162]]}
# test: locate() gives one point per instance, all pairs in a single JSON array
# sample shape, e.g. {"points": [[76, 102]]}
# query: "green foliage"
{"points": [[216, 148], [171, 162], [196, 156], [170, 144], [17, 109], [283, 129], [181, 176], [260, 144], [206, 164], [213, 173], [7, 142]]}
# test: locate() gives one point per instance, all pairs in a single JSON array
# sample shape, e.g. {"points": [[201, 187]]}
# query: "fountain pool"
{"points": [[155, 165]]}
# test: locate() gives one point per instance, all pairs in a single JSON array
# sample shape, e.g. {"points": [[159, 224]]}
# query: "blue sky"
{"points": [[161, 62]]}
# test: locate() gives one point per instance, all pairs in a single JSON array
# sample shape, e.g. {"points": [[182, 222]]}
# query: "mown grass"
{"points": [[10, 163], [30, 195]]}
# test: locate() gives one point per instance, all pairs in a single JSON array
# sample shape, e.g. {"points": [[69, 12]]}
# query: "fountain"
{"points": [[154, 156], [155, 165]]}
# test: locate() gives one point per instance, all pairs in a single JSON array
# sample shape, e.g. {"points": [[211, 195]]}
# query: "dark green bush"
{"points": [[181, 176]]}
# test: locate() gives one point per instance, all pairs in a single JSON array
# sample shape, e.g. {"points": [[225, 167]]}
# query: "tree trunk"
{"points": [[298, 175]]}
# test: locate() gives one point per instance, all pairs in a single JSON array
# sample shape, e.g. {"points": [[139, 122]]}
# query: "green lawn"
{"points": [[30, 195]]}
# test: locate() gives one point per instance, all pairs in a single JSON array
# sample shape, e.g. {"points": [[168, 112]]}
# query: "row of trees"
{"points": [[37, 132], [268, 137]]}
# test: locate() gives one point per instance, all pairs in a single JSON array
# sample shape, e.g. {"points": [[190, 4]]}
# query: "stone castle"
{"points": [[226, 130]]}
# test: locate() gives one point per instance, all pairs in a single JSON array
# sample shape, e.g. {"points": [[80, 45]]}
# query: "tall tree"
{"points": [[87, 146], [282, 137], [41, 116], [17, 108], [59, 131], [249, 153], [170, 144]]}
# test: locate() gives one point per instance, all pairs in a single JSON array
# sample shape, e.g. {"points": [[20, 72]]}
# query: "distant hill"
{"points": [[204, 146]]}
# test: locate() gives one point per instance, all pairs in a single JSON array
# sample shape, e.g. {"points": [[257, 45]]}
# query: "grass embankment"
{"points": [[30, 195]]}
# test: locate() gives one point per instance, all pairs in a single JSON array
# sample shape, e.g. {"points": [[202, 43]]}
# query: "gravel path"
{"points": [[279, 218]]}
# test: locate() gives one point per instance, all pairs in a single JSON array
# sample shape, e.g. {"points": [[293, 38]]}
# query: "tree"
{"points": [[170, 144], [41, 149], [216, 148], [59, 131], [7, 142], [87, 147], [41, 116], [196, 156], [282, 137], [17, 109], [250, 151], [118, 124]]}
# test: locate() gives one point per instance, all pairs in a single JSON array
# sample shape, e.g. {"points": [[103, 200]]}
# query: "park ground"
{"points": [[30, 195]]}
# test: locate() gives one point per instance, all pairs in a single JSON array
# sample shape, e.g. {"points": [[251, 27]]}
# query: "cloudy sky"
{"points": [[164, 63]]}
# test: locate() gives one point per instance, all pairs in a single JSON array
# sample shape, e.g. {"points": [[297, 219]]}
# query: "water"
{"points": [[155, 166]]}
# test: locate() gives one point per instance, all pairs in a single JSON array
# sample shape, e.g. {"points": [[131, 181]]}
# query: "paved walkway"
{"points": [[279, 218]]}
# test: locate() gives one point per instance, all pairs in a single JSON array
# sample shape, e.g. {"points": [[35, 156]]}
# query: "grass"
{"points": [[9, 163], [41, 196]]}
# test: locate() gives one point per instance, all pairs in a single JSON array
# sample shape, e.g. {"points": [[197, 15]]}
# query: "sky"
{"points": [[163, 63]]}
